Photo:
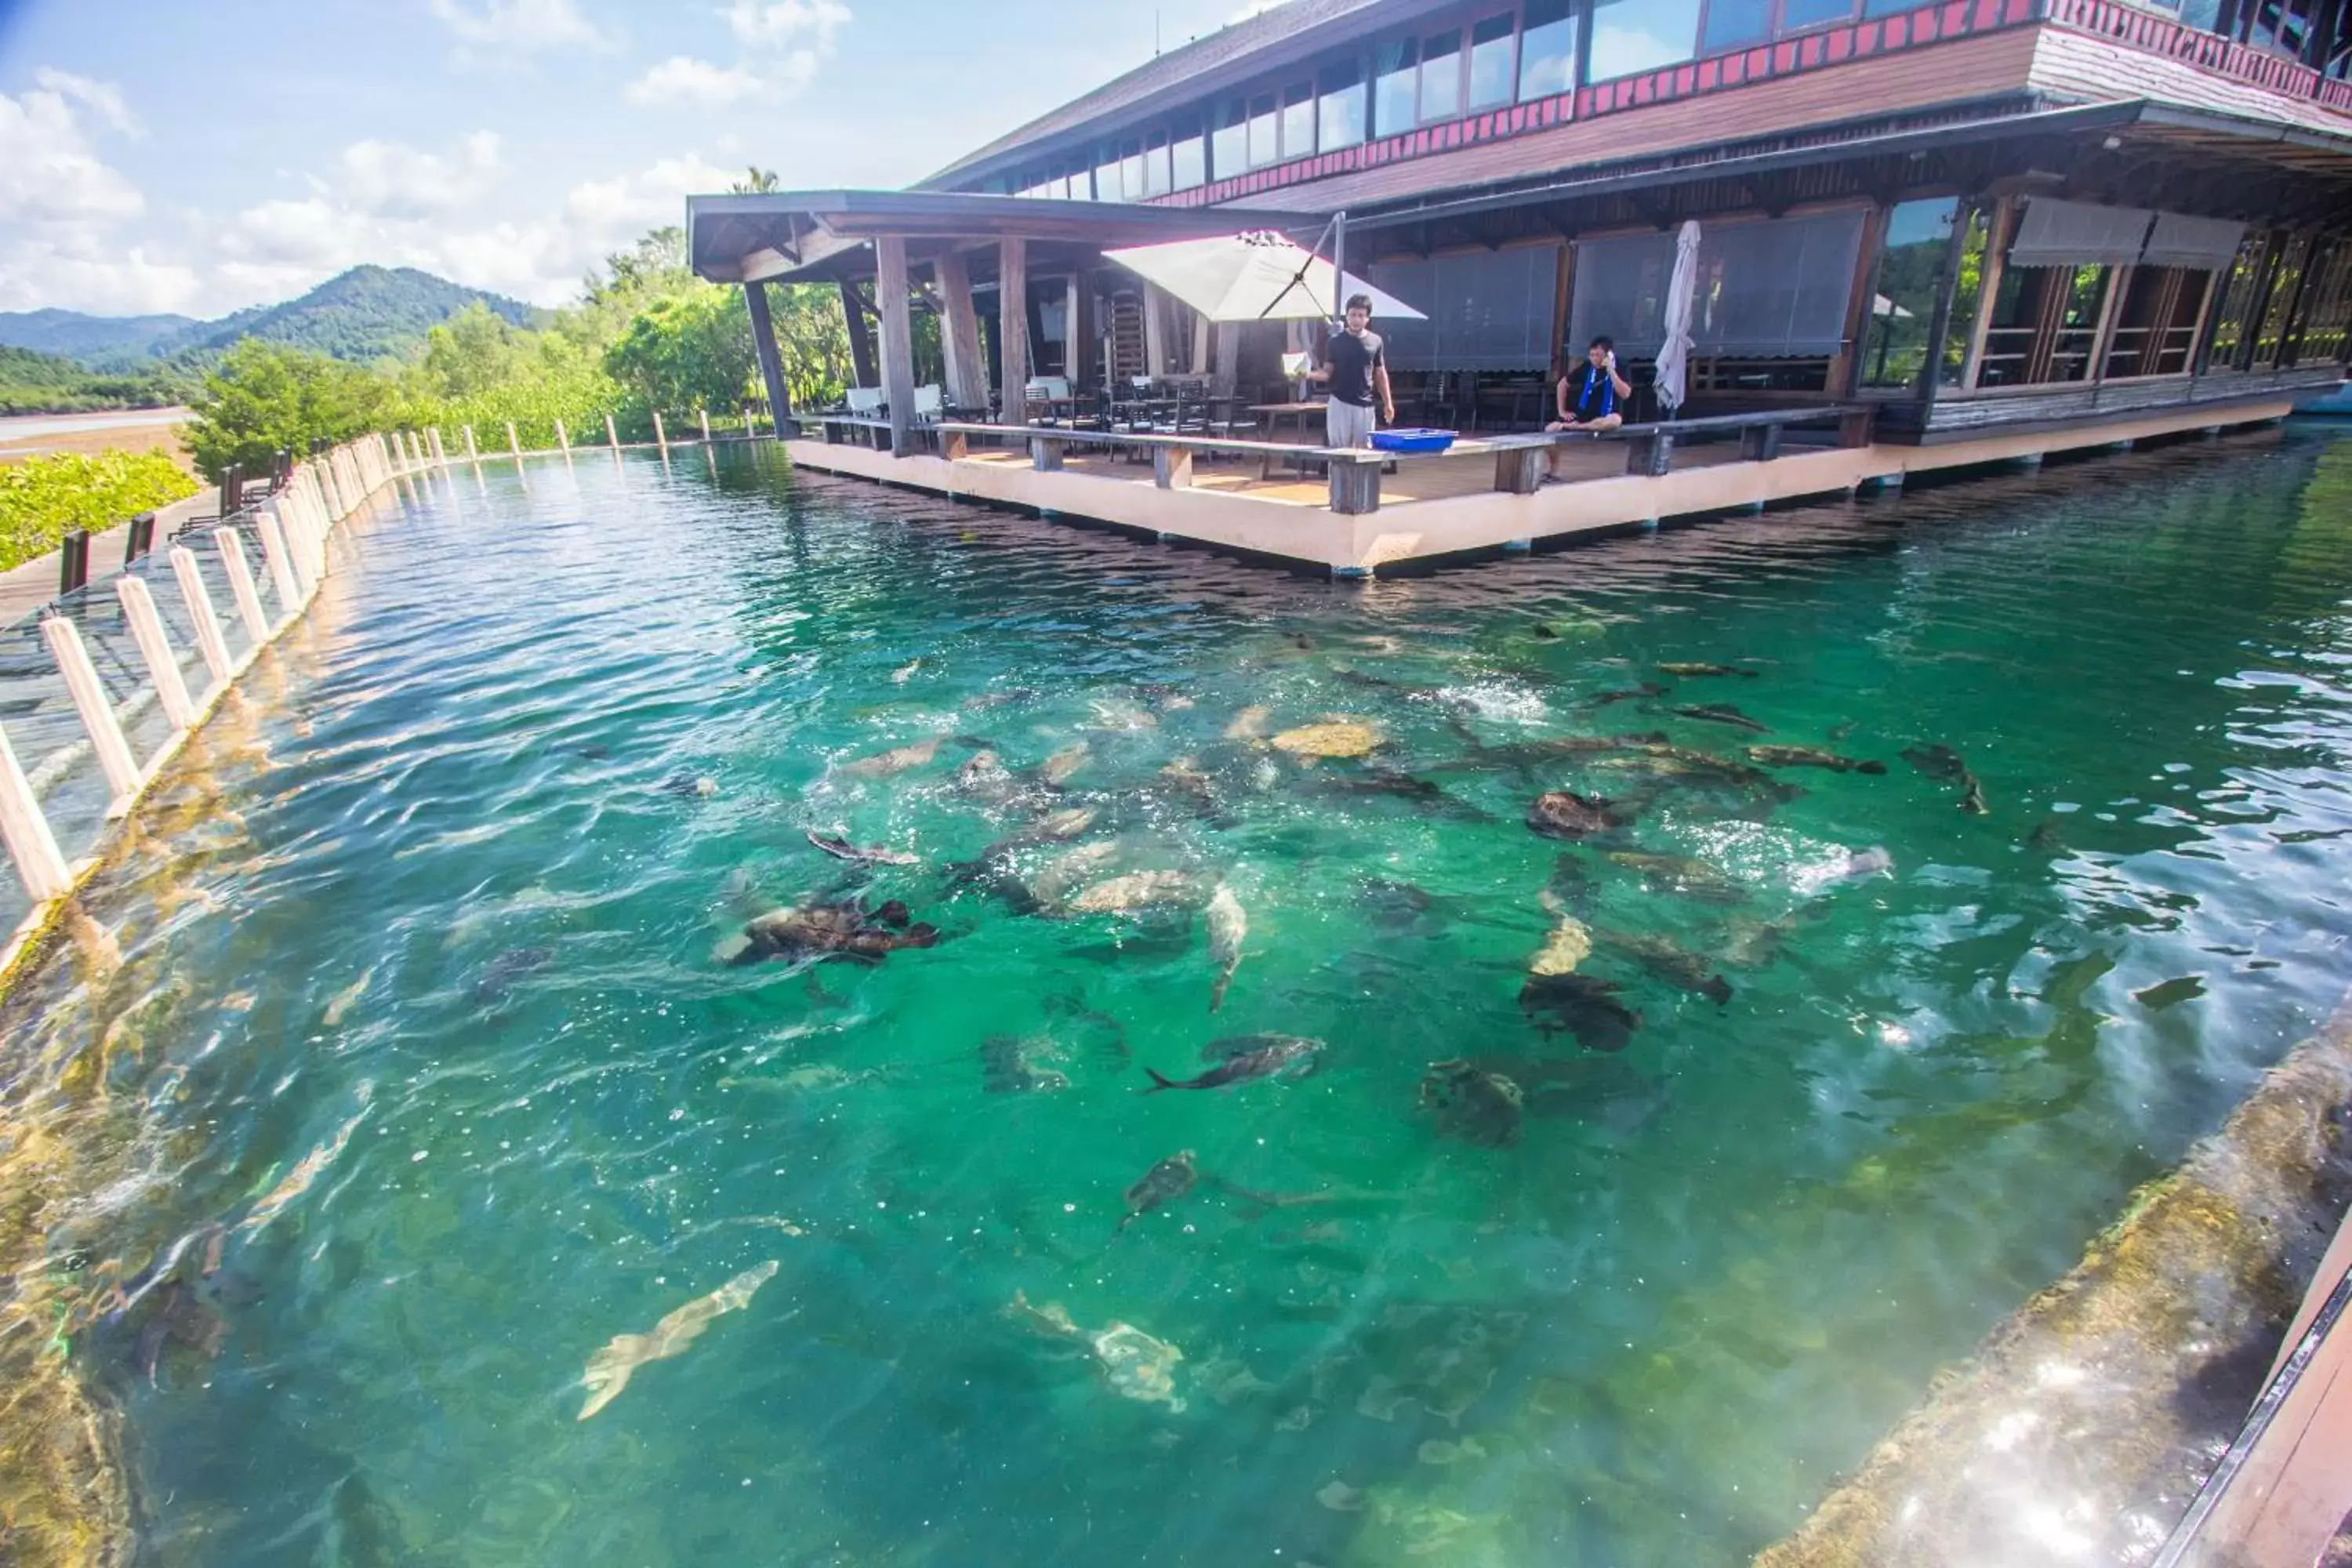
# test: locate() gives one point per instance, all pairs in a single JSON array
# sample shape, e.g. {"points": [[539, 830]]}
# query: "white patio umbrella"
{"points": [[1256, 277], [1673, 359]]}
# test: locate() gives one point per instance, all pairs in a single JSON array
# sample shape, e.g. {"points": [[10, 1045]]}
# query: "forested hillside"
{"points": [[44, 383]]}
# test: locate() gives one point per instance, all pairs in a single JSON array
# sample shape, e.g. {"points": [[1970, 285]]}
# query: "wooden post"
{"points": [[705, 414], [967, 386], [564, 437], [1076, 342], [1939, 319], [97, 720], [890, 289], [1016, 367], [1046, 453], [281, 566], [440, 453], [1155, 332], [240, 585], [1845, 375], [772, 362], [2102, 336], [1518, 471], [612, 437], [163, 665], [209, 641], [473, 454], [40, 864], [1563, 286], [514, 442], [1355, 486], [1171, 468], [861, 337], [1225, 380], [1998, 225], [661, 436]]}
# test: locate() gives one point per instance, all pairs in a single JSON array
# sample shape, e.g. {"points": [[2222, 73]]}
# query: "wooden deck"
{"points": [[1448, 505]]}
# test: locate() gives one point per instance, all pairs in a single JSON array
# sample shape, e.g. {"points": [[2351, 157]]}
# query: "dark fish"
{"points": [[1164, 1182], [687, 782], [988, 699], [1705, 669], [1564, 814], [1543, 633], [1681, 874], [498, 976], [1247, 1057], [2048, 839], [1942, 764], [1669, 961], [1972, 799], [1630, 694], [2157, 998], [1537, 753], [1583, 1006], [1724, 713], [843, 930], [1394, 905], [594, 754], [1475, 1106], [1008, 1066], [1396, 786], [842, 849], [1570, 883], [1808, 757]]}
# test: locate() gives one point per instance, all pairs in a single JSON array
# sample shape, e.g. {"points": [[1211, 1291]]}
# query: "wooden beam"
{"points": [[1997, 227], [2102, 336], [1562, 290], [959, 333], [1155, 333], [1845, 375], [1939, 320], [772, 364], [1013, 327], [861, 340], [890, 288]]}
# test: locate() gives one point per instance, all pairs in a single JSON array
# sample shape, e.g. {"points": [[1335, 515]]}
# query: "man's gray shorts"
{"points": [[1345, 424]]}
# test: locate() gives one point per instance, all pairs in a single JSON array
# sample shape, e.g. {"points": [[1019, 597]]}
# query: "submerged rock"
{"points": [[1330, 738]]}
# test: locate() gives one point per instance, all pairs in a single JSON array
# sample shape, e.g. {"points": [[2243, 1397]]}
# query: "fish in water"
{"points": [[898, 760], [1394, 905], [498, 976], [1536, 754], [1569, 886], [2048, 837], [1164, 1182], [1696, 670], [841, 849], [1682, 874], [1480, 1108], [1583, 1006], [1069, 868], [1398, 785], [1247, 1057], [1249, 724], [1625, 694], [307, 1169], [988, 699], [687, 782], [905, 673], [1228, 924], [1008, 1065], [1056, 770], [178, 1314], [1133, 1364], [1856, 866], [610, 1368], [1972, 796], [1053, 827], [344, 1000], [1724, 713], [984, 777], [843, 930], [1942, 764], [1569, 944], [1808, 757], [1119, 713], [1138, 892], [1667, 961], [1564, 814]]}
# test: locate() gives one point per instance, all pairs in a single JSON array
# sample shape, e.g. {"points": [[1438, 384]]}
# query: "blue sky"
{"points": [[197, 158]]}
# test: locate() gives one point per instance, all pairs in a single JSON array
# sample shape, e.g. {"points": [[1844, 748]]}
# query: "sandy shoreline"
{"points": [[135, 430]]}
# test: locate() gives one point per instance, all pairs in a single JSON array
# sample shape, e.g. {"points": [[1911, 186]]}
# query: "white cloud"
{"points": [[682, 79], [103, 96], [522, 27], [771, 25], [49, 173], [393, 180]]}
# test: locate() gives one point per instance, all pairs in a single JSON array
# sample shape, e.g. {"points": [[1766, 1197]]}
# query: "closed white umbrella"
{"points": [[1673, 359], [1252, 278]]}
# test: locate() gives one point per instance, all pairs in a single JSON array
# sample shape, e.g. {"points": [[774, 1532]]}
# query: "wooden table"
{"points": [[1271, 419]]}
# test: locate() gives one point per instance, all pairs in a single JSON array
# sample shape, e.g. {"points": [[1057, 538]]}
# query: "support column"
{"points": [[1078, 324], [1013, 326], [1155, 332], [959, 333], [2000, 225], [861, 340], [1225, 379], [1939, 320], [772, 362], [1846, 377], [890, 286]]}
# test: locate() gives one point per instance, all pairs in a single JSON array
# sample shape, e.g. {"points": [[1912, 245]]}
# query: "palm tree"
{"points": [[761, 182]]}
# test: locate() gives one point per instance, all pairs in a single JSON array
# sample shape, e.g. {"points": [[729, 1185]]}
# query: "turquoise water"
{"points": [[448, 1041]]}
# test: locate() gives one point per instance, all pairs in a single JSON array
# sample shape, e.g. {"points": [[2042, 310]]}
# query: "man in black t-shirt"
{"points": [[1591, 396], [1356, 367]]}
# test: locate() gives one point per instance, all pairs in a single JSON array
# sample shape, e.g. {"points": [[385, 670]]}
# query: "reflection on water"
{"points": [[1587, 1185]]}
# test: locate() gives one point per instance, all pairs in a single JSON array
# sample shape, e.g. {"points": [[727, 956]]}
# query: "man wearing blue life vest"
{"points": [[1592, 397]]}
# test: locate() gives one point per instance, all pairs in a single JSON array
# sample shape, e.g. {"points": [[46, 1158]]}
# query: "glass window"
{"points": [[1441, 77], [1263, 147], [1229, 148], [1130, 170], [1548, 49], [1107, 187], [1798, 15], [1731, 23], [1396, 73], [1339, 106], [1298, 119], [1630, 36], [1155, 166], [1490, 62], [1188, 155], [1910, 271]]}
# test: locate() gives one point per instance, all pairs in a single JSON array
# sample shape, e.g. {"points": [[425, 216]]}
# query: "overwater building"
{"points": [[1978, 220]]}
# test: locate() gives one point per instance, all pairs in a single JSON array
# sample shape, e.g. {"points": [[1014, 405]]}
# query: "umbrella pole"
{"points": [[1299, 276], [1340, 265]]}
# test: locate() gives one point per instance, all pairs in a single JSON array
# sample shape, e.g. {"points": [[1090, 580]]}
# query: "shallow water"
{"points": [[452, 1051]]}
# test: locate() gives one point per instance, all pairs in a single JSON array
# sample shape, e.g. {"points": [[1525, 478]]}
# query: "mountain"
{"points": [[34, 383], [367, 313], [72, 335]]}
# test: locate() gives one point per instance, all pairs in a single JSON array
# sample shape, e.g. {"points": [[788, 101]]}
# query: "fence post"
{"points": [[472, 454], [281, 566], [440, 453], [209, 641], [30, 843], [661, 437], [750, 430], [563, 438], [73, 560], [240, 585], [705, 413], [514, 442], [139, 540], [147, 631], [97, 720], [612, 437]]}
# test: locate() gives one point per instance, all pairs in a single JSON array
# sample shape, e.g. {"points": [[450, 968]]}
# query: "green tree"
{"points": [[266, 398], [475, 351], [759, 183], [688, 350]]}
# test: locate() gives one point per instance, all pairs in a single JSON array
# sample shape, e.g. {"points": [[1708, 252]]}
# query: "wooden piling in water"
{"points": [[98, 719], [514, 442], [563, 438], [40, 865], [209, 641], [661, 436], [612, 437], [240, 585], [705, 413], [473, 454], [281, 567], [155, 648]]}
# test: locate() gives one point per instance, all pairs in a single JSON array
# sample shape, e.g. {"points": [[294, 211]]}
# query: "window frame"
{"points": [[1513, 22], [1460, 35], [1575, 15]]}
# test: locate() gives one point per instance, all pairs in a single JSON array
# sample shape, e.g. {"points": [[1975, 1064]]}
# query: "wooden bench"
{"points": [[854, 429], [1355, 474], [1650, 448]]}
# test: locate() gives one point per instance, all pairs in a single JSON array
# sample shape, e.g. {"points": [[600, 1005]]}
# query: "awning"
{"points": [[2207, 244], [2078, 234], [1256, 277]]}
